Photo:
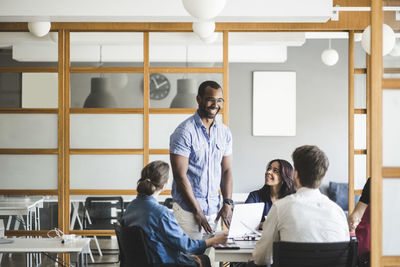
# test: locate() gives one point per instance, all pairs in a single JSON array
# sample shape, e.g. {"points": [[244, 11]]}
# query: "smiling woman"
{"points": [[278, 184]]}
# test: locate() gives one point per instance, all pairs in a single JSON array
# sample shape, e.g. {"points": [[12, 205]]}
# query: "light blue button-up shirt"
{"points": [[205, 153], [165, 239]]}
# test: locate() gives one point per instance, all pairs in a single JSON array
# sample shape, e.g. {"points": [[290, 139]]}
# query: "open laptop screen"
{"points": [[245, 219]]}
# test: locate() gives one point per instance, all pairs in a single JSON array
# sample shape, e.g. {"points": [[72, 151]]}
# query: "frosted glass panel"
{"points": [[166, 159], [360, 91], [106, 131], [109, 49], [28, 172], [391, 128], [391, 217], [360, 131], [105, 171], [39, 90], [28, 131], [359, 56], [360, 171], [161, 126]]}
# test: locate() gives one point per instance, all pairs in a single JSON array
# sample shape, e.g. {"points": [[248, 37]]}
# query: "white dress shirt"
{"points": [[306, 216]]}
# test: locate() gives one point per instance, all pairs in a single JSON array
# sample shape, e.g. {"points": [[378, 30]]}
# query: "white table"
{"points": [[20, 206], [243, 254], [78, 248]]}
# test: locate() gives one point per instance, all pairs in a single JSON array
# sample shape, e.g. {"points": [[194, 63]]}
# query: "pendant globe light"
{"points": [[388, 39], [186, 91], [330, 56], [100, 96], [39, 28]]}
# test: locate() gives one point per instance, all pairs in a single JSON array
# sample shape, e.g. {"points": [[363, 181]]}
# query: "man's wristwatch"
{"points": [[228, 201]]}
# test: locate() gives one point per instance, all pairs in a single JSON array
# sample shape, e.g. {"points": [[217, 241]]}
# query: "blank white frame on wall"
{"points": [[274, 103]]}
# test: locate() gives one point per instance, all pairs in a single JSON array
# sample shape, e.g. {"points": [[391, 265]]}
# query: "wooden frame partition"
{"points": [[346, 23]]}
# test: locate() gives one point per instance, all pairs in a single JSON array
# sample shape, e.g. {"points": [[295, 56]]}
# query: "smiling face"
{"points": [[210, 103], [272, 174]]}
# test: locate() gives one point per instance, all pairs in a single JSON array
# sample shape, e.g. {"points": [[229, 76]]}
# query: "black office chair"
{"points": [[99, 214], [133, 250], [337, 254], [102, 212]]}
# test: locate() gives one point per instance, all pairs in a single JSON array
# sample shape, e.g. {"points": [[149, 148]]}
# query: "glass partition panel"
{"points": [[360, 131], [105, 171], [360, 91], [161, 126], [106, 131], [391, 217], [28, 90], [164, 158], [391, 128], [360, 57], [185, 49], [22, 49], [39, 90], [261, 47], [97, 212], [107, 49], [28, 131], [29, 212], [107, 90], [178, 90], [28, 171], [360, 171]]}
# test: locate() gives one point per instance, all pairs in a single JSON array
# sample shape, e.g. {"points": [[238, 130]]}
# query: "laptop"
{"points": [[243, 230]]}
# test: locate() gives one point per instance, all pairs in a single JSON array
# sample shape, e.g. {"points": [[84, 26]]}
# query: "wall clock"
{"points": [[159, 86]]}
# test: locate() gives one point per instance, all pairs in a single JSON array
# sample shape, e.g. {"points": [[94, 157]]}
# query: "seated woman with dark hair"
{"points": [[166, 241], [278, 184]]}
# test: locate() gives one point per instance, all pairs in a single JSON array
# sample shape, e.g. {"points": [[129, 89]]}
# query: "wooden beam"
{"points": [[391, 84], [111, 151], [351, 120], [29, 192], [375, 129], [391, 172], [29, 151], [349, 20], [117, 192], [391, 260]]}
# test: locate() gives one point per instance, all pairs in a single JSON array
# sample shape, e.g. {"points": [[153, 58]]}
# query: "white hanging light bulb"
{"points": [[204, 9], [39, 28], [203, 29], [388, 39], [329, 56]]}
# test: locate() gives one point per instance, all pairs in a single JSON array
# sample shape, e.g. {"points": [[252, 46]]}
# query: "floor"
{"points": [[109, 246]]}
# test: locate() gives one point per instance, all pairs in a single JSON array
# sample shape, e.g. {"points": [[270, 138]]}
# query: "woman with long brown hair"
{"points": [[278, 184]]}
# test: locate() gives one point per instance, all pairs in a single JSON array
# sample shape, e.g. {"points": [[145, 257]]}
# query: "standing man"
{"points": [[201, 159], [307, 215]]}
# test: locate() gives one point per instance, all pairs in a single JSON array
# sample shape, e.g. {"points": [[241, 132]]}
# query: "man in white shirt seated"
{"points": [[307, 215]]}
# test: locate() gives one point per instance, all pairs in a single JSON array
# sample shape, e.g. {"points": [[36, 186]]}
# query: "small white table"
{"points": [[243, 254], [19, 206], [78, 248]]}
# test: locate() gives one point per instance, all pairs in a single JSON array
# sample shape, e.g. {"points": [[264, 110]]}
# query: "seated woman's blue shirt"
{"points": [[165, 239]]}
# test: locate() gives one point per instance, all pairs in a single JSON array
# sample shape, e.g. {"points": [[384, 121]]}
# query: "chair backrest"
{"points": [[132, 246], [337, 254], [103, 212]]}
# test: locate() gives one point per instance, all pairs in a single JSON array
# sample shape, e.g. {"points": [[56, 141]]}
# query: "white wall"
{"points": [[321, 114]]}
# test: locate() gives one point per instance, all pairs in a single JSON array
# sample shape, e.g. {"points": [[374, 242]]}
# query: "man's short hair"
{"points": [[204, 85], [311, 164]]}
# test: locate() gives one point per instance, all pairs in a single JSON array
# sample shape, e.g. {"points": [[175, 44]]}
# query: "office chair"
{"points": [[337, 254], [133, 250], [100, 213]]}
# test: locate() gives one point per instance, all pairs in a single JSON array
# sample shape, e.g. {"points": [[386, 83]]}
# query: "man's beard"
{"points": [[204, 113]]}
